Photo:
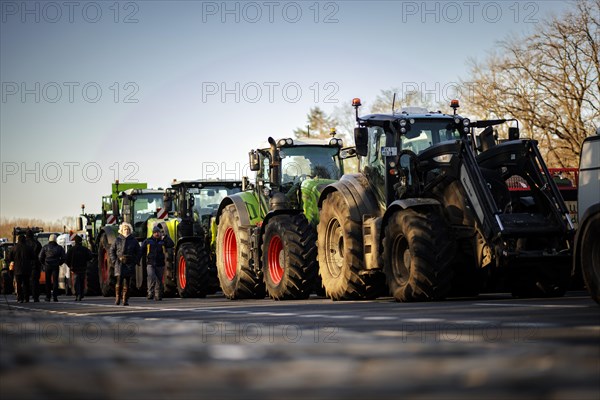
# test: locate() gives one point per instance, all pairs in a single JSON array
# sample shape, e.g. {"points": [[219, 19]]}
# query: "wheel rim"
{"points": [[230, 254], [275, 254], [181, 272], [334, 248], [401, 260]]}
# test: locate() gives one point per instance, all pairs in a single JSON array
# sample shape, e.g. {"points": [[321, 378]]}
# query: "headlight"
{"points": [[466, 122], [456, 120], [281, 142], [402, 122], [403, 130], [444, 158], [289, 141]]}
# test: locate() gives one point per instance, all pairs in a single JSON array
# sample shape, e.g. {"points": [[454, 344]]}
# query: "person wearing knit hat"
{"points": [[153, 251]]}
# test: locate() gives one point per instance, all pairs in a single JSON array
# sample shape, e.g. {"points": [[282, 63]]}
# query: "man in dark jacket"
{"points": [[77, 259], [124, 255], [22, 256], [52, 257], [36, 267], [153, 249]]}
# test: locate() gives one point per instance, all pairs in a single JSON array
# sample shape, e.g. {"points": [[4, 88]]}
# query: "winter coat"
{"points": [[78, 257], [36, 246], [23, 258], [52, 255], [154, 250], [125, 255]]}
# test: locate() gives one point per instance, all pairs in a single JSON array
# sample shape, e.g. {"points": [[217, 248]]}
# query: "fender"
{"points": [[415, 203], [111, 232], [355, 191], [272, 214], [245, 204]]}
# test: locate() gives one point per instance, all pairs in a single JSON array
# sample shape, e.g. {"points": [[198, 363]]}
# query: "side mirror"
{"points": [[254, 161], [513, 133], [80, 223], [361, 139], [245, 183]]}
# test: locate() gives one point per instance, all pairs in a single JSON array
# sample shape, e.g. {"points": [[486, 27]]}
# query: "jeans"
{"points": [[155, 281], [52, 281]]}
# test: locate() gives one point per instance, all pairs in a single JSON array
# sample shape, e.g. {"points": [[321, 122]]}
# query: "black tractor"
{"points": [[430, 214]]}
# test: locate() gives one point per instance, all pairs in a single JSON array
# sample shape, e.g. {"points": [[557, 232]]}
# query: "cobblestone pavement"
{"points": [[216, 349]]}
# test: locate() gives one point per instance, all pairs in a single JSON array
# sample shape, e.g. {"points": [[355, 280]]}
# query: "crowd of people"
{"points": [[28, 259]]}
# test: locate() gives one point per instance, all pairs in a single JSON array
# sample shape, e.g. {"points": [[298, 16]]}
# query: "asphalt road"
{"points": [[492, 346]]}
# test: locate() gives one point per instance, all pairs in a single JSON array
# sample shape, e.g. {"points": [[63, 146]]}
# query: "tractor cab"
{"points": [[138, 206]]}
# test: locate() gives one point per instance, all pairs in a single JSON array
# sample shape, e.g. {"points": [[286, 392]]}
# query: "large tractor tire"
{"points": [[192, 271], [238, 279], [289, 257], [340, 252], [590, 256], [106, 271], [417, 253], [92, 282]]}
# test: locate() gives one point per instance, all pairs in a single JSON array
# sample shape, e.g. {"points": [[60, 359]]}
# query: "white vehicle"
{"points": [[587, 250]]}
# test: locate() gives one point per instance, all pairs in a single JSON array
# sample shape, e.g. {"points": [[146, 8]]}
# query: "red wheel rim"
{"points": [[230, 254], [181, 272], [275, 252]]}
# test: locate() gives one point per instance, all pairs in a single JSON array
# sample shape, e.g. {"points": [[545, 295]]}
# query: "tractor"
{"points": [[190, 269], [266, 233], [135, 206], [429, 214]]}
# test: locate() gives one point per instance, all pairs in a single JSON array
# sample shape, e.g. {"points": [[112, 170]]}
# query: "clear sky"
{"points": [[155, 90]]}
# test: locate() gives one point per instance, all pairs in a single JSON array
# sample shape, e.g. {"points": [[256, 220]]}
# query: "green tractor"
{"points": [[430, 214], [266, 234], [190, 269], [135, 205]]}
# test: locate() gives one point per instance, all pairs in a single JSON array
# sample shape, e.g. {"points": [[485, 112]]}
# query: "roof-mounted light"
{"points": [[289, 141], [356, 102], [281, 142], [403, 122], [335, 142]]}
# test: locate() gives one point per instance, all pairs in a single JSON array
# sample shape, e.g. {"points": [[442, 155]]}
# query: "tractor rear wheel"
{"points": [[417, 254], [192, 271], [238, 279], [106, 271], [289, 257], [590, 256], [340, 251]]}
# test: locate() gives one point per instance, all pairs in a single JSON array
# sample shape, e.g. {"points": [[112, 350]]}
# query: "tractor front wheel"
{"points": [[238, 279], [192, 271], [289, 258], [417, 254]]}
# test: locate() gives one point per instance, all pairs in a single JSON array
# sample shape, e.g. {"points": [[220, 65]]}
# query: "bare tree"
{"points": [[548, 80]]}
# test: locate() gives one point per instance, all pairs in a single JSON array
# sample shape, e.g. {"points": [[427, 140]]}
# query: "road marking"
{"points": [[530, 305], [381, 318], [421, 320]]}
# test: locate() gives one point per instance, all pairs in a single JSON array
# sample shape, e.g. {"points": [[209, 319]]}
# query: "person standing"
{"points": [[153, 249], [52, 257], [124, 255], [77, 259], [36, 266], [22, 256]]}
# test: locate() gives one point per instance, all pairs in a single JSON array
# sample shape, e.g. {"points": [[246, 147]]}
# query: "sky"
{"points": [[151, 91]]}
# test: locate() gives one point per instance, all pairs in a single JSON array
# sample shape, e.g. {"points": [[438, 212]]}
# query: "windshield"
{"points": [[207, 200], [146, 206], [301, 162], [426, 133]]}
